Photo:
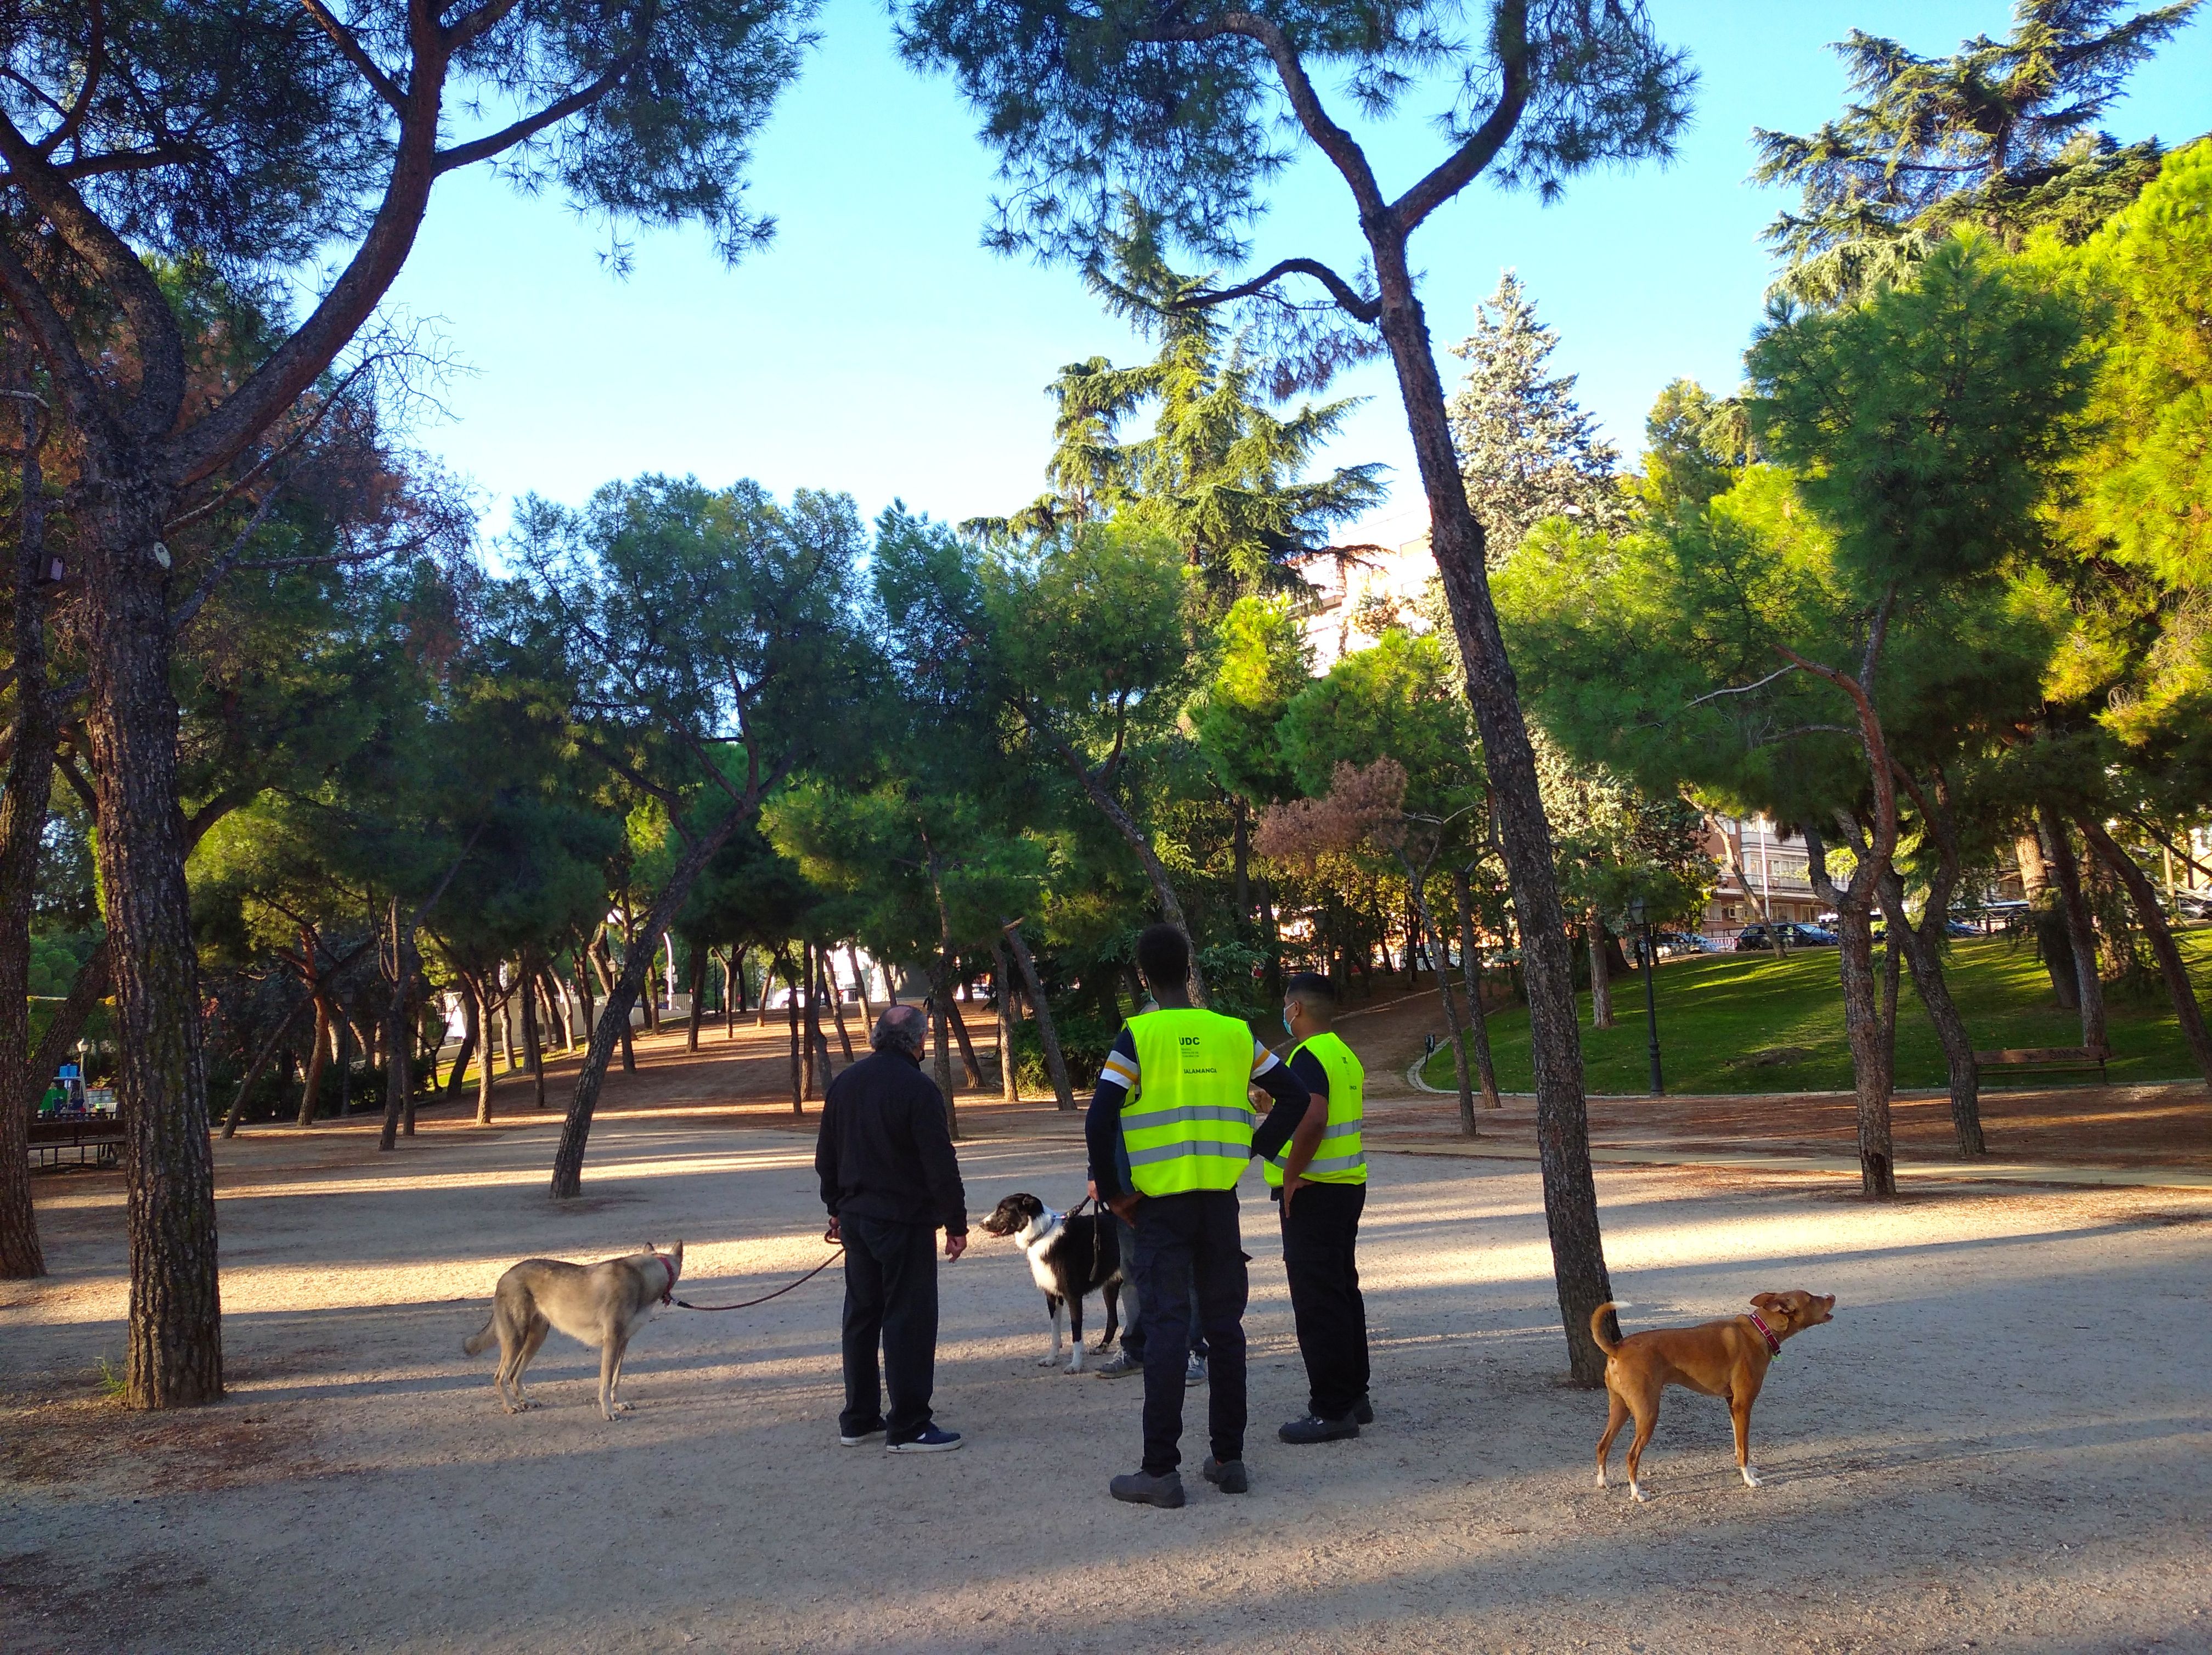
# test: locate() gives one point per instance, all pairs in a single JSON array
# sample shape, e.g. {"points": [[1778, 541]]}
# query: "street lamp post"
{"points": [[1641, 917]]}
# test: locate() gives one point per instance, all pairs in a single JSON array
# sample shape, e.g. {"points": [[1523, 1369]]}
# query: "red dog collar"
{"points": [[668, 1292], [1773, 1345]]}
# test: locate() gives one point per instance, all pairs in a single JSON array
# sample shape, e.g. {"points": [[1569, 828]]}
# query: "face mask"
{"points": [[1287, 1029]]}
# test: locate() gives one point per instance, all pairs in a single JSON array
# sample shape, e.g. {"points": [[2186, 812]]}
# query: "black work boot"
{"points": [[1314, 1428], [1229, 1476], [1144, 1488]]}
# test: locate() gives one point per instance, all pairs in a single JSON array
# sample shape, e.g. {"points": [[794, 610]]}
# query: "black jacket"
{"points": [[884, 1151]]}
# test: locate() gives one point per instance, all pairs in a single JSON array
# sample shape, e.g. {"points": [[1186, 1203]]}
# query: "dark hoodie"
{"points": [[884, 1152]]}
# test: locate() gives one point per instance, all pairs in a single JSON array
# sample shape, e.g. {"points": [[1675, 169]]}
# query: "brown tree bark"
{"points": [[791, 1018], [471, 1032], [311, 1094], [486, 1079], [837, 1004], [1470, 966], [810, 1032], [2035, 889], [1427, 923], [1600, 978], [698, 997], [2080, 930], [398, 1025], [534, 1045], [860, 986], [940, 996], [971, 1067], [575, 1131], [1923, 946], [1055, 1061], [1002, 981], [1863, 1029], [25, 801], [2187, 1012]]}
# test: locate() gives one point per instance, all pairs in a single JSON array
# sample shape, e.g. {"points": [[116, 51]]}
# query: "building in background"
{"points": [[1760, 865]]}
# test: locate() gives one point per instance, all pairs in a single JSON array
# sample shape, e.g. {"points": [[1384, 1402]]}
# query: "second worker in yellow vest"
{"points": [[1322, 1186], [1170, 1129]]}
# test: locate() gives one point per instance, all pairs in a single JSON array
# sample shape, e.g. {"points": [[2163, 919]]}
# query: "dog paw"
{"points": [[1052, 1360], [624, 1407], [1072, 1367], [1750, 1477]]}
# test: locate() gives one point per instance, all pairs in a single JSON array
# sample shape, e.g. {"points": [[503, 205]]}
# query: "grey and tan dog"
{"points": [[603, 1303]]}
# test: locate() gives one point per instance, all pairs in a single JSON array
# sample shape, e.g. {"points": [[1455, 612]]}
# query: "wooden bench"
{"points": [[2045, 1060], [99, 1137]]}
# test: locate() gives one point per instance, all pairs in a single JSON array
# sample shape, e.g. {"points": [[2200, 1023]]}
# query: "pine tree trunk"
{"points": [[698, 997], [1601, 976], [1055, 1061], [1470, 964], [2080, 930], [1002, 981], [24, 803], [810, 1032], [836, 1006], [860, 986], [311, 1094], [1924, 953], [486, 1079], [399, 1046], [534, 1045], [261, 1061], [791, 1018], [2186, 1011], [1134, 836], [1862, 1026], [940, 994], [2050, 927], [971, 1067], [471, 1032], [175, 1346], [1562, 1114], [1428, 926]]}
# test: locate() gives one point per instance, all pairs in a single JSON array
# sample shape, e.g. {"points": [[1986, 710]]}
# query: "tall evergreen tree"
{"points": [[2001, 132], [1526, 448]]}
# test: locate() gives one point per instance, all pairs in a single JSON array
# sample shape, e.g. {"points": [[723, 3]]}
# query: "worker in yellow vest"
{"points": [[1170, 1131], [1321, 1180]]}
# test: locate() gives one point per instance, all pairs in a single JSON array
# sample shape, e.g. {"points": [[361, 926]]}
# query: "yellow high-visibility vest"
{"points": [[1341, 1157], [1189, 1124]]}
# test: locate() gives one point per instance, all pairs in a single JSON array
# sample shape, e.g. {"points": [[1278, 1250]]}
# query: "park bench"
{"points": [[2045, 1060], [98, 1137]]}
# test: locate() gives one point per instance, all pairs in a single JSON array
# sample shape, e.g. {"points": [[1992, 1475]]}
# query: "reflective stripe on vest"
{"points": [[1187, 1125], [1341, 1157]]}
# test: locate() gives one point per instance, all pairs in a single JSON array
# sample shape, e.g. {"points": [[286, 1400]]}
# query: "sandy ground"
{"points": [[2000, 1444]]}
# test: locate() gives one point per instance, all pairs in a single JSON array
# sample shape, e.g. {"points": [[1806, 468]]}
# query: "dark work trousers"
{"points": [[890, 1297], [1132, 1300], [1321, 1230], [1185, 1243]]}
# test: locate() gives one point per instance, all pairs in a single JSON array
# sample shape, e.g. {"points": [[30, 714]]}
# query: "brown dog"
{"points": [[1726, 1359]]}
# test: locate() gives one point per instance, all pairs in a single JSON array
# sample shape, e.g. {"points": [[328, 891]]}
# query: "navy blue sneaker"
{"points": [[935, 1441], [860, 1438]]}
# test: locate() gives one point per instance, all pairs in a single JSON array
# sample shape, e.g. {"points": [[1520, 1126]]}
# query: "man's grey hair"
{"points": [[903, 1027]]}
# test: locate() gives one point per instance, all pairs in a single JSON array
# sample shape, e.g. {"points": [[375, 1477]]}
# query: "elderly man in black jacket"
{"points": [[890, 1180]]}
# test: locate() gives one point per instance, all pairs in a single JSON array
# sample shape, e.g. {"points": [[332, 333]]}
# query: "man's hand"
{"points": [[833, 1234], [1125, 1205], [955, 1244], [1292, 1184]]}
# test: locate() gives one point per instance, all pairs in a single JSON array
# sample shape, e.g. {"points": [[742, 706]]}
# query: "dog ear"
{"points": [[1767, 1301]]}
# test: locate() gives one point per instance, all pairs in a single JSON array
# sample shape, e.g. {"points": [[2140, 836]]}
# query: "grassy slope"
{"points": [[1715, 1009]]}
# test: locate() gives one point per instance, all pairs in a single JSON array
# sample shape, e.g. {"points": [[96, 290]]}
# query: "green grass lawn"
{"points": [[1715, 1010]]}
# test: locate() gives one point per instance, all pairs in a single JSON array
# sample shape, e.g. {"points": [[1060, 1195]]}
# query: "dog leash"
{"points": [[748, 1303]]}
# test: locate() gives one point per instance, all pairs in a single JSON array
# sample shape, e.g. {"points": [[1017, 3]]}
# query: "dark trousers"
{"points": [[890, 1299], [1320, 1230], [1190, 1243], [1133, 1301]]}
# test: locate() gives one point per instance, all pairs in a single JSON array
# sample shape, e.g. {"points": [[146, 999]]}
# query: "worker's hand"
{"points": [[833, 1234], [1125, 1205], [954, 1245], [1091, 1190], [1292, 1184]]}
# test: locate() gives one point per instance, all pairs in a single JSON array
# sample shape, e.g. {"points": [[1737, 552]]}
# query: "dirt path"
{"points": [[2001, 1443]]}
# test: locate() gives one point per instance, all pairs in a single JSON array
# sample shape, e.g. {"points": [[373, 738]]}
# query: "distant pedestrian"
{"points": [[1172, 1109], [890, 1181]]}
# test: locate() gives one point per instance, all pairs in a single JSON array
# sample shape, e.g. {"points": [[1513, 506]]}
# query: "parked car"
{"points": [[1758, 938], [2192, 904], [1673, 943]]}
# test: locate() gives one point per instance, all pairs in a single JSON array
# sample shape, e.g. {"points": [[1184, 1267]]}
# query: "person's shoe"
{"points": [[1143, 1489], [1120, 1367], [935, 1441], [1314, 1428], [1231, 1478], [860, 1438], [1363, 1412], [1193, 1373]]}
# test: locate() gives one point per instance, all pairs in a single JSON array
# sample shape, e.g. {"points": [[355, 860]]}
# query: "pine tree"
{"points": [[2000, 133], [1527, 450]]}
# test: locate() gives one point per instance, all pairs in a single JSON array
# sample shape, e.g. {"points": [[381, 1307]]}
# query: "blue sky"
{"points": [[876, 348]]}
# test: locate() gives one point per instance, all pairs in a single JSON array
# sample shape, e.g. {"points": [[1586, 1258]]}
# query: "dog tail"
{"points": [[1597, 1328], [477, 1341]]}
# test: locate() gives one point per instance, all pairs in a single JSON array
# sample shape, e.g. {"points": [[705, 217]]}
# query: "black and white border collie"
{"points": [[1070, 1257]]}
